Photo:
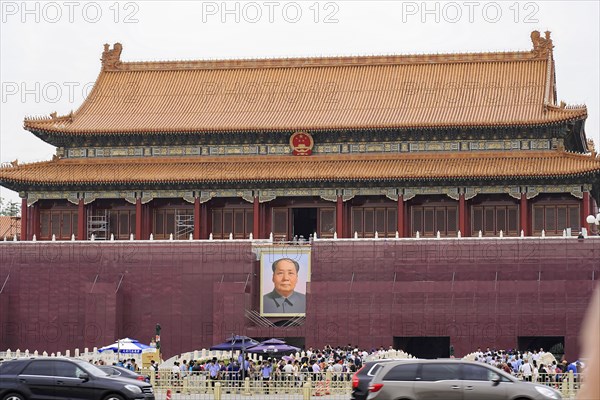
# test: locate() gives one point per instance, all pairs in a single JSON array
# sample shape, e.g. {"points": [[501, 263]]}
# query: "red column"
{"points": [[265, 220], [339, 217], [462, 214], [138, 219], [524, 217], [80, 220], [585, 209], [400, 227], [24, 219], [204, 217], [197, 218], [256, 218], [30, 218], [148, 226]]}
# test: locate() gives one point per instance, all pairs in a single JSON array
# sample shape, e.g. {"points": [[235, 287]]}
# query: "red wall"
{"points": [[481, 293]]}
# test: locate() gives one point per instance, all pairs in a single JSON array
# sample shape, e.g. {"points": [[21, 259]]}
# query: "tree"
{"points": [[9, 208]]}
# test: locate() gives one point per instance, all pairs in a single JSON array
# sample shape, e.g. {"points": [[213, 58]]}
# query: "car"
{"points": [[65, 378], [362, 378], [115, 370], [452, 380]]}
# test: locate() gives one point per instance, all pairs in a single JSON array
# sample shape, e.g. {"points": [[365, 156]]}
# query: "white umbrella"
{"points": [[126, 346]]}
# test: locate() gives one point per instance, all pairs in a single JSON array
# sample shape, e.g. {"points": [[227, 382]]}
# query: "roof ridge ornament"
{"points": [[542, 46], [111, 58]]}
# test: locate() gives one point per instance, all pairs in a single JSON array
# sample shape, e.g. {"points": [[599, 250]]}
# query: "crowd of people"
{"points": [[341, 362], [530, 366], [337, 363]]}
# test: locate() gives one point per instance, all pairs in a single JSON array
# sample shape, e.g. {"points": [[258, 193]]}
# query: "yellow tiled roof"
{"points": [[264, 169], [377, 92], [9, 226]]}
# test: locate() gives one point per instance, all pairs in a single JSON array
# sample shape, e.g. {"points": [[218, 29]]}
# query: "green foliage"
{"points": [[9, 208]]}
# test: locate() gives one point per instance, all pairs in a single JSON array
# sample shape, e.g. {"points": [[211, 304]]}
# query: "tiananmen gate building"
{"points": [[440, 197]]}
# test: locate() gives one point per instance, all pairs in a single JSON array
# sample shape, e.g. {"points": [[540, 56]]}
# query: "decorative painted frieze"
{"points": [[247, 195], [319, 148], [453, 193], [574, 190], [348, 194], [33, 197], [205, 196], [329, 195], [189, 197], [471, 191], [267, 195], [514, 192]]}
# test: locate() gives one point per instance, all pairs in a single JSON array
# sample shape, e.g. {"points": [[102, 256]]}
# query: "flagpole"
{"points": [[243, 359]]}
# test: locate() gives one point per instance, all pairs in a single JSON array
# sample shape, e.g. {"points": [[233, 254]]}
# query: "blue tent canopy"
{"points": [[272, 346], [234, 343]]}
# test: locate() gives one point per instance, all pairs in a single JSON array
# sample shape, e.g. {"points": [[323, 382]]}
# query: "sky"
{"points": [[50, 51]]}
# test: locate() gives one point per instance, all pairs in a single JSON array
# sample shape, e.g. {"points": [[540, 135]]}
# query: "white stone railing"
{"points": [[108, 357], [418, 236], [393, 354]]}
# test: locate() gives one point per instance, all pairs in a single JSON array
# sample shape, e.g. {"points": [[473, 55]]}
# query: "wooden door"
{"points": [[280, 224]]}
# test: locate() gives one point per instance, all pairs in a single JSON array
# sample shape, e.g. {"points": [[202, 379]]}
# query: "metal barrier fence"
{"points": [[568, 384], [299, 386], [230, 385]]}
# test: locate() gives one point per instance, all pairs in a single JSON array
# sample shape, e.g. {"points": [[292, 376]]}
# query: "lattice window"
{"points": [[491, 219], [555, 218], [368, 220], [60, 223], [235, 221], [428, 220]]}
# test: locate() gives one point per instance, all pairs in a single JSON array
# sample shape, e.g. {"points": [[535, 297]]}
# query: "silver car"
{"points": [[452, 380]]}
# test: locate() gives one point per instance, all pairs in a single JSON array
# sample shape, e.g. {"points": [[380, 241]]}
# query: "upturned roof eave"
{"points": [[22, 185], [45, 134]]}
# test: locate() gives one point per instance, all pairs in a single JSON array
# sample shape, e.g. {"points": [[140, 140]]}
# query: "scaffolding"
{"points": [[98, 224], [184, 225]]}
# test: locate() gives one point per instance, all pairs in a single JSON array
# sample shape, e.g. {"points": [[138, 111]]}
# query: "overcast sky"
{"points": [[50, 51]]}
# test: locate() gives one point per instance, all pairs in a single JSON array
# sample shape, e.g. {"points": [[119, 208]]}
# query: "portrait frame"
{"points": [[267, 258]]}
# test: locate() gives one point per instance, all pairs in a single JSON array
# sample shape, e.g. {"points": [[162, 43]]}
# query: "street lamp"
{"points": [[593, 220]]}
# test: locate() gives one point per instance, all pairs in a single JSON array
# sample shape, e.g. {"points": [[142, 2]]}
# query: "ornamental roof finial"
{"points": [[541, 45], [111, 58]]}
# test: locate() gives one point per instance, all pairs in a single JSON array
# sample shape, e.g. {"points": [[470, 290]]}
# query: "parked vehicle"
{"points": [[452, 380], [64, 378], [362, 378], [114, 370]]}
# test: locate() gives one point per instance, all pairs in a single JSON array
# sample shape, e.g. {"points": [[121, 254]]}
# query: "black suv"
{"points": [[64, 378], [362, 378]]}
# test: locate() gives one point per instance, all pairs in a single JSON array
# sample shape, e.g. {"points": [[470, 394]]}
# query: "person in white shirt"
{"points": [[315, 368], [526, 370], [288, 370], [184, 368], [535, 374]]}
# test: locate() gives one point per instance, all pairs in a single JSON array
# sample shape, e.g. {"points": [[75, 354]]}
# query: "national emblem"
{"points": [[301, 144]]}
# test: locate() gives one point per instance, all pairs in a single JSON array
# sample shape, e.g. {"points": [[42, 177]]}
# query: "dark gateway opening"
{"points": [[424, 347], [304, 222], [553, 344]]}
